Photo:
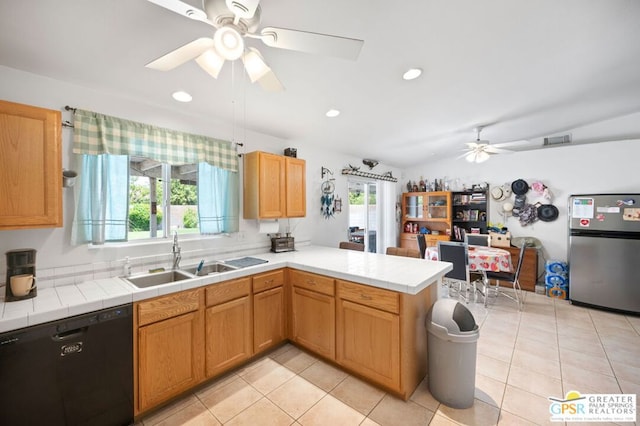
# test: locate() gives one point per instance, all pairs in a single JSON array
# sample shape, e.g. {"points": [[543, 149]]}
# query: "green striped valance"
{"points": [[96, 134]]}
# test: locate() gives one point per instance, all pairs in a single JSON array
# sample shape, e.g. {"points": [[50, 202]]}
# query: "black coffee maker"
{"points": [[20, 261]]}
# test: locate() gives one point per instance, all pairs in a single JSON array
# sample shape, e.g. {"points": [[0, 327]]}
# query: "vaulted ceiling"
{"points": [[523, 69]]}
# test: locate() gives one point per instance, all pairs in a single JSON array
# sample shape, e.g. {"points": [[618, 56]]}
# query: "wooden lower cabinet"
{"points": [[228, 325], [313, 310], [268, 319], [169, 347], [268, 310]]}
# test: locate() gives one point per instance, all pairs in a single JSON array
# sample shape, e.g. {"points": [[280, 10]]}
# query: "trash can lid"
{"points": [[453, 316]]}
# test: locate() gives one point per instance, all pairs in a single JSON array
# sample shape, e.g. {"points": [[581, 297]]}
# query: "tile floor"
{"points": [[549, 348]]}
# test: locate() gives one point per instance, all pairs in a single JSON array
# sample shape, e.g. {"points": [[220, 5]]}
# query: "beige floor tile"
{"points": [[495, 350], [358, 394], [296, 396], [323, 375], [216, 384], [623, 356], [538, 326], [530, 381], [480, 413], [267, 376], [616, 343], [534, 347], [168, 410], [368, 422], [489, 390], [626, 332], [393, 411], [588, 362], [423, 396], [581, 344], [263, 412], [635, 322], [331, 411], [229, 400], [536, 363], [195, 414], [629, 387], [546, 337], [508, 419], [282, 349], [492, 367], [626, 372], [527, 405], [295, 359], [440, 420], [609, 319], [580, 332], [589, 380]]}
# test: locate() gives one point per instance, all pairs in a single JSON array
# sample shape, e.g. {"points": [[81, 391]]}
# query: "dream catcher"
{"points": [[328, 198]]}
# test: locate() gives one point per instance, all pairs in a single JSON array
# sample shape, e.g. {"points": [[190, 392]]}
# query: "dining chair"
{"points": [[351, 246], [458, 254], [422, 244], [511, 277], [478, 240], [401, 251]]}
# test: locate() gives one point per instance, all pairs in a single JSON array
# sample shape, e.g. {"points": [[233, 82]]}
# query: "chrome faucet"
{"points": [[176, 251]]}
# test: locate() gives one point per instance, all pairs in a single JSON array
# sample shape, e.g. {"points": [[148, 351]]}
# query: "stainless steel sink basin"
{"points": [[211, 268], [157, 278]]}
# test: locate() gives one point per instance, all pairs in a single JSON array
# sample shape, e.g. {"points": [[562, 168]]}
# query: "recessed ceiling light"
{"points": [[181, 96], [333, 113], [412, 73]]}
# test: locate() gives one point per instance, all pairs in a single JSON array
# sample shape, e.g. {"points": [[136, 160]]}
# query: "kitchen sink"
{"points": [[211, 268], [157, 278]]}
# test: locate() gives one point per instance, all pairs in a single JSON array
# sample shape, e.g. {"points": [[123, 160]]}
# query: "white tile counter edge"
{"points": [[402, 274]]}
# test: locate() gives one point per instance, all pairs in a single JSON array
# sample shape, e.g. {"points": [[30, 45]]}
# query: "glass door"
{"points": [[363, 216]]}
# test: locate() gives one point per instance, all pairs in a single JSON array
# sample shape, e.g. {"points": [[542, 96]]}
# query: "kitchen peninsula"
{"points": [[364, 312]]}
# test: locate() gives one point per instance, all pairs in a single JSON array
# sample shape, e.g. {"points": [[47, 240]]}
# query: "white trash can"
{"points": [[452, 339]]}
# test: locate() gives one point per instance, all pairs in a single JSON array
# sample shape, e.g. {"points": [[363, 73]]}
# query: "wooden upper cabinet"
{"points": [[296, 187], [274, 186], [30, 167]]}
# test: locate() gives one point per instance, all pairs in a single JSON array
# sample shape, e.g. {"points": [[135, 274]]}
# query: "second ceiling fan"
{"points": [[235, 20]]}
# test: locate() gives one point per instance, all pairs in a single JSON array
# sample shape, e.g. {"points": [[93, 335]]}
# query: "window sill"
{"points": [[155, 241]]}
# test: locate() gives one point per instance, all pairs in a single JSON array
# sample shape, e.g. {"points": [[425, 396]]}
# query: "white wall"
{"points": [[53, 245], [595, 168]]}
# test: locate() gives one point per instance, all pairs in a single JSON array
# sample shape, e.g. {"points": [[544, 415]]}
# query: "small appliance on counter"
{"points": [[280, 244], [21, 275]]}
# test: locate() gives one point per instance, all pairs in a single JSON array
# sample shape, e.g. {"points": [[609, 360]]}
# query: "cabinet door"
{"points": [[296, 187], [228, 335], [30, 167], [268, 319], [169, 358], [313, 321], [368, 342]]}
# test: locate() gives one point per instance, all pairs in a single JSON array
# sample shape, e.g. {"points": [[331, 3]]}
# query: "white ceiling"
{"points": [[524, 69]]}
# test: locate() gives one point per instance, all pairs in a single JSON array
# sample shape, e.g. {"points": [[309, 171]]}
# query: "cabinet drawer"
{"points": [[313, 282], [268, 280], [228, 290], [168, 306], [370, 296]]}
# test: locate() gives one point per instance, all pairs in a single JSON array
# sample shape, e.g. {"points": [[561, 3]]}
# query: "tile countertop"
{"points": [[402, 274]]}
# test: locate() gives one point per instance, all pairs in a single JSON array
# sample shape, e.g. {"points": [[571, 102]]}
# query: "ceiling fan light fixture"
{"points": [[254, 65], [228, 43], [332, 113], [482, 156], [412, 74], [211, 62]]}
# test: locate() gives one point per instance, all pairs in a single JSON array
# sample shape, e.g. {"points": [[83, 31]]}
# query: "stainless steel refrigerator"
{"points": [[604, 251]]}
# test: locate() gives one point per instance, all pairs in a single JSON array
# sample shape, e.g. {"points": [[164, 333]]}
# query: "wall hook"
{"points": [[324, 171]]}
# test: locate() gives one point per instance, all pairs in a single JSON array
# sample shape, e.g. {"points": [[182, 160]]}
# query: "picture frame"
{"points": [[337, 205]]}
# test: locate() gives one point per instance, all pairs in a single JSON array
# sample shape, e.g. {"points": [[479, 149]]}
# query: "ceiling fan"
{"points": [[235, 20], [480, 150]]}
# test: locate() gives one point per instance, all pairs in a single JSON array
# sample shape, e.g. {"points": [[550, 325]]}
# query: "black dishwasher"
{"points": [[76, 371]]}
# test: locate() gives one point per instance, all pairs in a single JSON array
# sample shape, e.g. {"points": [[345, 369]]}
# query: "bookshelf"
{"points": [[469, 213]]}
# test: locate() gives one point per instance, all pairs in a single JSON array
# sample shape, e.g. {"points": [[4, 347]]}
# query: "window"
{"points": [[151, 214], [143, 181]]}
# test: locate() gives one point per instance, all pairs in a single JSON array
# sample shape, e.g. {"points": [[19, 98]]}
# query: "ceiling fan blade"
{"points": [[182, 8], [211, 62], [181, 55], [493, 149], [512, 143], [242, 8], [320, 44]]}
